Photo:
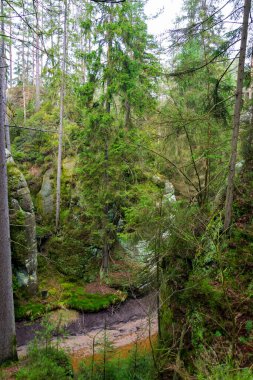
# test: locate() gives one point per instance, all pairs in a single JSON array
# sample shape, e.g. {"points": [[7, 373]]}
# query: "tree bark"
{"points": [[237, 113], [106, 246], [37, 61], [249, 157], [7, 322], [62, 94], [11, 57], [23, 77], [6, 119], [7, 131]]}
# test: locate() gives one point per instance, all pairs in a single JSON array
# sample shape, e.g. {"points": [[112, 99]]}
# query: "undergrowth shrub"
{"points": [[226, 372], [135, 367], [45, 360], [46, 363]]}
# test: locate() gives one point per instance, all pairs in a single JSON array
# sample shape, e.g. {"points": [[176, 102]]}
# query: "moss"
{"points": [[68, 252], [42, 231], [31, 311], [14, 176], [18, 237], [67, 295], [202, 291], [76, 298]]}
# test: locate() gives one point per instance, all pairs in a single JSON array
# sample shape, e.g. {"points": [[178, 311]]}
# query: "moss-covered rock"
{"points": [[45, 197], [23, 228]]}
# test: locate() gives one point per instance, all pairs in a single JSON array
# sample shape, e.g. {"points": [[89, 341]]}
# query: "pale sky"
{"points": [[164, 21]]}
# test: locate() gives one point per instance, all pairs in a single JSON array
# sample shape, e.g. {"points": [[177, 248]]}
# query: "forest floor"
{"points": [[122, 325]]}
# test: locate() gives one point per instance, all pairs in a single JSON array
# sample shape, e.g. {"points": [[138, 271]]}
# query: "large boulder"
{"points": [[22, 227]]}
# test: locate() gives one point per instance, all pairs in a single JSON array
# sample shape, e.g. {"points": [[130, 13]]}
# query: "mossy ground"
{"points": [[61, 294]]}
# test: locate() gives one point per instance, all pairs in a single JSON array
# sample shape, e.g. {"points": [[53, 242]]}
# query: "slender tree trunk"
{"points": [[237, 113], [249, 158], [7, 322], [205, 43], [7, 133], [33, 62], [37, 61], [23, 78], [106, 247], [7, 128], [250, 139], [127, 113], [62, 94], [11, 57], [41, 27], [6, 120]]}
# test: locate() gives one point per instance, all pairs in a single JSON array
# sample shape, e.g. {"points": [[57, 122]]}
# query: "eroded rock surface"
{"points": [[23, 227], [46, 195]]}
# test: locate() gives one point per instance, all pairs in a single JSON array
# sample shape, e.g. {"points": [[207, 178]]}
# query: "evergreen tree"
{"points": [[122, 61]]}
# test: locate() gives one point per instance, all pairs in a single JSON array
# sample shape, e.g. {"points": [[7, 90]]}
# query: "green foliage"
{"points": [[206, 289], [71, 296], [68, 253], [200, 290], [226, 372], [32, 310], [46, 363], [249, 326], [204, 278], [138, 366], [76, 298]]}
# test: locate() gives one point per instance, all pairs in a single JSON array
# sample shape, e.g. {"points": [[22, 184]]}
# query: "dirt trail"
{"points": [[134, 319]]}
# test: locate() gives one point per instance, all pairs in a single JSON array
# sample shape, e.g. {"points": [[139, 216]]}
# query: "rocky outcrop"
{"points": [[45, 198], [23, 228], [68, 167]]}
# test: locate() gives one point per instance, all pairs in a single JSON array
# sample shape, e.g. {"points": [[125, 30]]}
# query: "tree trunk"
{"points": [[6, 119], [249, 157], [7, 130], [7, 322], [11, 57], [62, 94], [23, 78], [37, 62], [127, 113], [237, 113], [106, 247]]}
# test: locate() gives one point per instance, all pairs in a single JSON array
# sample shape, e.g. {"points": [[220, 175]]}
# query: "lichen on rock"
{"points": [[22, 227], [45, 198]]}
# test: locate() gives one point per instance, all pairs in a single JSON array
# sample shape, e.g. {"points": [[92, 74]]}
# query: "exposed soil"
{"points": [[124, 323]]}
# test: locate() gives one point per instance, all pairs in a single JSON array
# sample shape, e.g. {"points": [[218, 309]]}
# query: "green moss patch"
{"points": [[31, 311], [76, 298], [68, 296]]}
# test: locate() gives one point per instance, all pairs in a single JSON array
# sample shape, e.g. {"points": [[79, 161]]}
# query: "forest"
{"points": [[126, 191]]}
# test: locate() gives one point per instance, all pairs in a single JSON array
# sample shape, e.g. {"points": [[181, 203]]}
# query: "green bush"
{"points": [[46, 363], [226, 372], [135, 367]]}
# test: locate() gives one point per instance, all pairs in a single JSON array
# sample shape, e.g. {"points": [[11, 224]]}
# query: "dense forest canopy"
{"points": [[126, 172]]}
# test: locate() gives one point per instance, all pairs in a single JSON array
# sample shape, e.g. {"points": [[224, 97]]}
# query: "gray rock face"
{"points": [[23, 228], [169, 192], [46, 195]]}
